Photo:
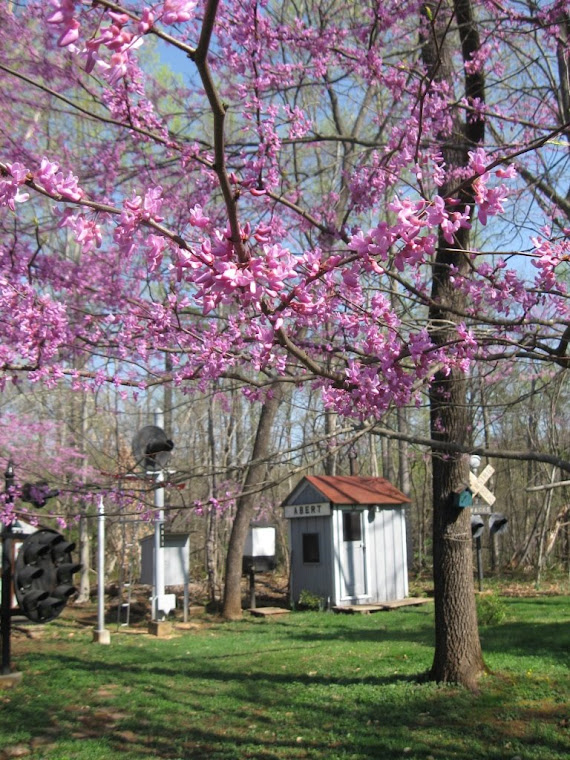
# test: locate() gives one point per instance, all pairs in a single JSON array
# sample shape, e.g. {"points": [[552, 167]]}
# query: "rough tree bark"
{"points": [[246, 503], [211, 516], [84, 591], [458, 657]]}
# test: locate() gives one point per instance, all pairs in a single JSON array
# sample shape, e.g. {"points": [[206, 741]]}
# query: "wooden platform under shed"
{"points": [[366, 609], [268, 611]]}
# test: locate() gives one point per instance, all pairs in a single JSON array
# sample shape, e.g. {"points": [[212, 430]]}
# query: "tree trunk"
{"points": [[211, 516], [457, 656], [246, 503], [373, 457], [560, 522], [404, 476], [84, 591], [544, 529], [211, 553], [388, 467], [330, 461]]}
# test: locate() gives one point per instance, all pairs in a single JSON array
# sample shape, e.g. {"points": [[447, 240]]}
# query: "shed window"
{"points": [[351, 526], [311, 548]]}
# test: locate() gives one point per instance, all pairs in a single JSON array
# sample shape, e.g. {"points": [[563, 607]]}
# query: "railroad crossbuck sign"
{"points": [[478, 488]]}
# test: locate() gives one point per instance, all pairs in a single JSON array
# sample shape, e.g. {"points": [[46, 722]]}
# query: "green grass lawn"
{"points": [[306, 685]]}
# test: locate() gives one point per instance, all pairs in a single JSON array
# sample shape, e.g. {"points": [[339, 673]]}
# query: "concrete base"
{"points": [[102, 637], [9, 680], [160, 628]]}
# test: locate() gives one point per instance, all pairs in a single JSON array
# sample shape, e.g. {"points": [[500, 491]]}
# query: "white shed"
{"points": [[348, 540]]}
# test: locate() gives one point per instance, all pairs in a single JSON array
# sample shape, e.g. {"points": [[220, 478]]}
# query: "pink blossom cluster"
{"points": [[38, 451], [221, 277], [130, 105], [14, 176], [549, 256], [34, 328], [48, 178], [137, 210], [490, 200], [87, 232], [7, 509], [54, 182], [64, 16], [412, 238], [120, 37], [176, 11]]}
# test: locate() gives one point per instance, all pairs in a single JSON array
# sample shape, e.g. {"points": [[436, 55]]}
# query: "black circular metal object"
{"points": [[43, 575], [151, 448]]}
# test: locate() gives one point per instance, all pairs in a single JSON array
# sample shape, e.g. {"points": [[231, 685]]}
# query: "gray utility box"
{"points": [[176, 559], [259, 551]]}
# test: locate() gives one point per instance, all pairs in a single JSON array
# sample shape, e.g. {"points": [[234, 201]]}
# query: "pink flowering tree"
{"points": [[366, 197], [38, 455]]}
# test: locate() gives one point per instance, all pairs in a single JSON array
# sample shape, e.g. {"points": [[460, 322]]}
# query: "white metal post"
{"points": [[101, 635], [186, 587], [158, 548], [158, 533]]}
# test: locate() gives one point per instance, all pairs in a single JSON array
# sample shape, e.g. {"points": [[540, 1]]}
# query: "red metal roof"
{"points": [[354, 489]]}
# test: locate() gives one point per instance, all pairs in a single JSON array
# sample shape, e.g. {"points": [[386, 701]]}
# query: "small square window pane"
{"points": [[311, 547]]}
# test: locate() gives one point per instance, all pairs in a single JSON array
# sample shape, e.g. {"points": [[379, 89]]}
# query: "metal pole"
{"points": [[186, 566], [158, 533], [158, 545], [6, 607], [6, 598], [101, 635], [479, 562], [101, 566]]}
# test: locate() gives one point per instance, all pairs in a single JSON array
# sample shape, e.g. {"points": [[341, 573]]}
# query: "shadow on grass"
{"points": [[197, 669], [218, 714], [190, 708], [419, 634], [551, 640], [283, 691]]}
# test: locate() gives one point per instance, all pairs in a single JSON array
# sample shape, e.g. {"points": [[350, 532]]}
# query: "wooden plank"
{"points": [[413, 601], [478, 487], [360, 609], [366, 609], [268, 611]]}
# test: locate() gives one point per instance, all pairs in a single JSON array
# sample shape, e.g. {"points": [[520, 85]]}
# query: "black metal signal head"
{"points": [[151, 448], [38, 493], [43, 575]]}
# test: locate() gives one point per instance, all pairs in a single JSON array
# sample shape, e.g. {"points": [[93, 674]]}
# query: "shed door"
{"points": [[353, 555]]}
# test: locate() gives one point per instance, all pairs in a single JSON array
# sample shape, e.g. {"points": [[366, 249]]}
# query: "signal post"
{"points": [[41, 576], [7, 676]]}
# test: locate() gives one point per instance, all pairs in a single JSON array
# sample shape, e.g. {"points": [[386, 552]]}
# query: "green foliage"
{"points": [[304, 687], [310, 601], [491, 609]]}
